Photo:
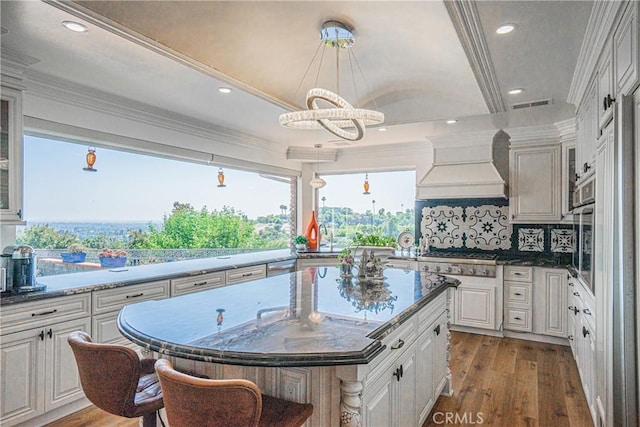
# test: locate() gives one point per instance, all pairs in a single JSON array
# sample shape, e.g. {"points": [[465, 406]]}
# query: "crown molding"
{"points": [[464, 15], [566, 129], [600, 25], [48, 87], [465, 139], [13, 65], [126, 33], [533, 135]]}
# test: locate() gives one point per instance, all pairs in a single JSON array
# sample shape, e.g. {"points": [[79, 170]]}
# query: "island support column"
{"points": [[350, 403]]}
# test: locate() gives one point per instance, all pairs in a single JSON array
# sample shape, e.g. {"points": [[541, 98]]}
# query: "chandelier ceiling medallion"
{"points": [[342, 119]]}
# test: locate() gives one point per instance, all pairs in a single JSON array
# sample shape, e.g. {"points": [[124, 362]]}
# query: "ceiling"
{"points": [[419, 65]]}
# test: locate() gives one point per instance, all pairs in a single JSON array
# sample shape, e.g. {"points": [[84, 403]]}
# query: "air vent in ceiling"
{"points": [[530, 104]]}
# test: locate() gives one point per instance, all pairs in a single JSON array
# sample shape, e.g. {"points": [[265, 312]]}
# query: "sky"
{"points": [[132, 187]]}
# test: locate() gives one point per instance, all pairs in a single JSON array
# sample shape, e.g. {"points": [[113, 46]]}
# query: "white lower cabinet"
{"points": [[550, 301], [474, 305], [39, 373], [409, 387]]}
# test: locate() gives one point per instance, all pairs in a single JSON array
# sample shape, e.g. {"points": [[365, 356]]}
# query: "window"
{"points": [[387, 210], [154, 208]]}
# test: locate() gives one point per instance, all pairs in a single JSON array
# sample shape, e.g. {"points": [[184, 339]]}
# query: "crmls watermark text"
{"points": [[467, 418]]}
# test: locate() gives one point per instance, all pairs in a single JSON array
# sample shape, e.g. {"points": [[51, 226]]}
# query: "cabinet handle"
{"points": [[518, 294], [20, 213], [570, 337], [50, 333], [610, 100], [585, 332], [586, 167], [574, 309], [575, 294], [200, 283], [398, 373], [587, 311], [135, 296], [437, 330], [397, 346], [570, 283], [41, 335], [247, 274], [604, 103], [517, 274], [44, 313], [517, 318]]}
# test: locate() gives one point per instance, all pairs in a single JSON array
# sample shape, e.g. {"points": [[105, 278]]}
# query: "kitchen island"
{"points": [[363, 352]]}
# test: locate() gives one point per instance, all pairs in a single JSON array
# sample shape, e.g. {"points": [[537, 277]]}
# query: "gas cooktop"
{"points": [[459, 255]]}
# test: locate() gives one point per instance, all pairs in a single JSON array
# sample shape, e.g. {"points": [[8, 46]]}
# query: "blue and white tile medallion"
{"points": [[531, 239], [562, 240], [442, 226], [487, 227]]}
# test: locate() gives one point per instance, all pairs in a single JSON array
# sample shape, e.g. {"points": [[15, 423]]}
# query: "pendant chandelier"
{"points": [[343, 120], [365, 185], [317, 182]]}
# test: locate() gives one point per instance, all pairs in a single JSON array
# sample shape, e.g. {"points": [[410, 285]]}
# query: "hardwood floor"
{"points": [[510, 382], [496, 381]]}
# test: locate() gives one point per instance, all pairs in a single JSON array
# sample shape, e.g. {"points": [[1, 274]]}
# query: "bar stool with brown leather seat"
{"points": [[191, 401], [116, 380]]}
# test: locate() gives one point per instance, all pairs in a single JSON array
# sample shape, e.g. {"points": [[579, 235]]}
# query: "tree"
{"points": [[46, 237], [190, 229]]}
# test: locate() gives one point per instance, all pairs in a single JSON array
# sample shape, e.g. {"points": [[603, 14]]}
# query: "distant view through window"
{"points": [[386, 211], [154, 209]]}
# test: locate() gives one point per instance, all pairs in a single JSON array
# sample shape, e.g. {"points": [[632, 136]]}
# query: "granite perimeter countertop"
{"points": [[75, 283], [311, 317]]}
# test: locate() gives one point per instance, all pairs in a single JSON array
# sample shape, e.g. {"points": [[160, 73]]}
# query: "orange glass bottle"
{"points": [[313, 233]]}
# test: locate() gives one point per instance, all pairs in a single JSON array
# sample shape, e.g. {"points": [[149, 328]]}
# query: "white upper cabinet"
{"points": [[10, 156], [606, 93], [625, 50], [535, 184]]}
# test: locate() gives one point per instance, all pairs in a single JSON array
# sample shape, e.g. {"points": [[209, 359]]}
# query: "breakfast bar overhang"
{"points": [[363, 351]]}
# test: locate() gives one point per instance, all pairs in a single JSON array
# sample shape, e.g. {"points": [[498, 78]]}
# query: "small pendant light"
{"points": [[317, 182], [91, 160], [365, 186], [221, 178]]}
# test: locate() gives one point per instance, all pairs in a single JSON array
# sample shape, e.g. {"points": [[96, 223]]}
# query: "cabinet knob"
{"points": [[585, 167], [437, 330], [41, 335], [585, 332], [50, 333], [570, 337], [575, 294], [587, 311], [609, 100], [604, 103]]}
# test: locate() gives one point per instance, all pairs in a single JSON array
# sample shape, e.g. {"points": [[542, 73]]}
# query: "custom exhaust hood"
{"points": [[472, 165]]}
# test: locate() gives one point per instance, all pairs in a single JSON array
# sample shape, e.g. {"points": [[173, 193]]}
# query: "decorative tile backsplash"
{"points": [[483, 225]]}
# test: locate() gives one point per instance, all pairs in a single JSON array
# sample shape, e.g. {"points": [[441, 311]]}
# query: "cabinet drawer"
{"points": [[514, 273], [245, 274], [517, 319], [435, 309], [109, 300], [186, 285], [518, 293], [36, 314]]}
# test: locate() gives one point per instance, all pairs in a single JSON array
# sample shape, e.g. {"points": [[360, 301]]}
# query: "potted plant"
{"points": [[301, 242], [76, 252], [376, 242], [110, 258]]}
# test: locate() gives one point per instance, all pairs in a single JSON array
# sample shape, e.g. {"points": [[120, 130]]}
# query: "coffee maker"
{"points": [[22, 269]]}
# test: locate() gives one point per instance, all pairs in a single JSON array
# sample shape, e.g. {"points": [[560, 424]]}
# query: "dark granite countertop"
{"points": [[546, 262], [75, 283], [311, 317]]}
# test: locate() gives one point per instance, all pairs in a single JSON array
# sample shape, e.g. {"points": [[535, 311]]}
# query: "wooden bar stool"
{"points": [[191, 401], [116, 380]]}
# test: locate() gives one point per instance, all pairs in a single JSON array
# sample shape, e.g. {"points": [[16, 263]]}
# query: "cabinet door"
{"points": [[22, 381], [378, 403], [405, 401], [474, 306], [605, 87], [62, 378], [425, 360], [440, 371], [535, 185], [11, 156], [625, 50], [550, 302]]}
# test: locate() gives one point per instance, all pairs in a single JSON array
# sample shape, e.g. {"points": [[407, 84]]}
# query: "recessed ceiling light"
{"points": [[515, 91], [451, 121], [224, 89], [505, 29], [382, 129], [75, 26]]}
